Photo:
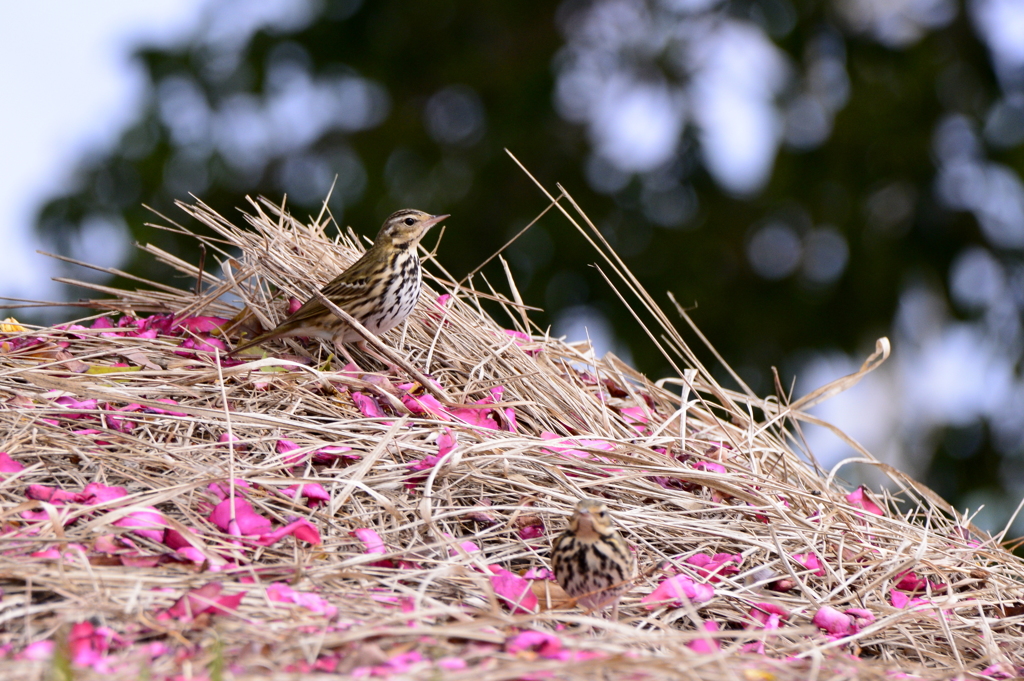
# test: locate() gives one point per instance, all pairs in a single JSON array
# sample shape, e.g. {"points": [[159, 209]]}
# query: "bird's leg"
{"points": [[343, 351], [362, 345]]}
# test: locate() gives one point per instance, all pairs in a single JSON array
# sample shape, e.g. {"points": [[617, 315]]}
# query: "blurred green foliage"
{"points": [[872, 178]]}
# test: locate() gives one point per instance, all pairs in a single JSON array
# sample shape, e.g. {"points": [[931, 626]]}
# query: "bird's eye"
{"points": [[410, 222]]}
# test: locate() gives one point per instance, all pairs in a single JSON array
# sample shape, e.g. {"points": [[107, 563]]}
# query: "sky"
{"points": [[69, 87]]}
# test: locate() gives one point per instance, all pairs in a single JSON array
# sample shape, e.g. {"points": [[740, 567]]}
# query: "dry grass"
{"points": [[770, 504]]}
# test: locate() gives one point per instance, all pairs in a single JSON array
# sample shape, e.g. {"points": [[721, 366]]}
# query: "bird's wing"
{"points": [[347, 286]]}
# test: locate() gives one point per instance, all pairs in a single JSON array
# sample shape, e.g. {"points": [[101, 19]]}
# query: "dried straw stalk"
{"points": [[771, 503]]}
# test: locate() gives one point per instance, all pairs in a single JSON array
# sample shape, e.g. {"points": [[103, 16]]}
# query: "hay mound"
{"points": [[168, 510]]}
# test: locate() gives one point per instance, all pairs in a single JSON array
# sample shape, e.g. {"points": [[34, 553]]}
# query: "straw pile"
{"points": [[168, 511]]}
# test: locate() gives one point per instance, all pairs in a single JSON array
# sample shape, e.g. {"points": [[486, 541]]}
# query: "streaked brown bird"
{"points": [[379, 290], [591, 561]]}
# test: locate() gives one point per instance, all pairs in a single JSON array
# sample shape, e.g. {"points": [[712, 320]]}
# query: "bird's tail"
{"points": [[262, 338]]}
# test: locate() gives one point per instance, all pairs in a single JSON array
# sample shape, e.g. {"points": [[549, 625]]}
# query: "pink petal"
{"points": [[531, 532], [675, 591], [282, 593], [425, 404], [371, 540], [720, 564], [510, 419], [568, 442], [513, 589], [476, 417], [756, 647], [200, 324], [710, 467], [68, 553], [192, 554], [149, 524], [95, 493], [539, 573], [110, 544], [285, 446], [195, 602], [119, 425], [51, 494], [834, 622], [861, 617], [859, 499], [9, 465], [332, 452], [811, 562], [249, 522], [516, 334], [909, 581], [160, 322], [221, 490], [467, 546], [236, 442], [367, 405], [38, 651], [90, 431], [87, 644], [72, 403], [445, 442], [636, 417], [898, 599], [546, 645], [301, 529], [708, 645], [762, 612], [203, 344], [451, 663], [423, 464], [1000, 670], [481, 417], [314, 492], [168, 412], [175, 540], [403, 661], [205, 599]]}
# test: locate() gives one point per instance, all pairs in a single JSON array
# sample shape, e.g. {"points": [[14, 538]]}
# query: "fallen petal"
{"points": [[514, 590], [860, 499], [301, 529], [248, 521], [9, 465], [675, 591], [834, 622]]}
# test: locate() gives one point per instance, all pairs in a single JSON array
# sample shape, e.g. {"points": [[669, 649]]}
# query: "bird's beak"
{"points": [[434, 219]]}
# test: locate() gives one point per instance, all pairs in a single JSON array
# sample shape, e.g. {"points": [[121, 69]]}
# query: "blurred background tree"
{"points": [[811, 175]]}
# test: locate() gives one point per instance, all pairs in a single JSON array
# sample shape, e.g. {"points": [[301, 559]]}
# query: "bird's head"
{"points": [[591, 520], [405, 228]]}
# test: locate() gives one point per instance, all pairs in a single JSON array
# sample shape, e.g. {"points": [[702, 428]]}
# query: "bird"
{"points": [[379, 290], [591, 561]]}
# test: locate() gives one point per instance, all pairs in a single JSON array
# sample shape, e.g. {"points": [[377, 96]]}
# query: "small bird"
{"points": [[379, 290], [591, 561]]}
